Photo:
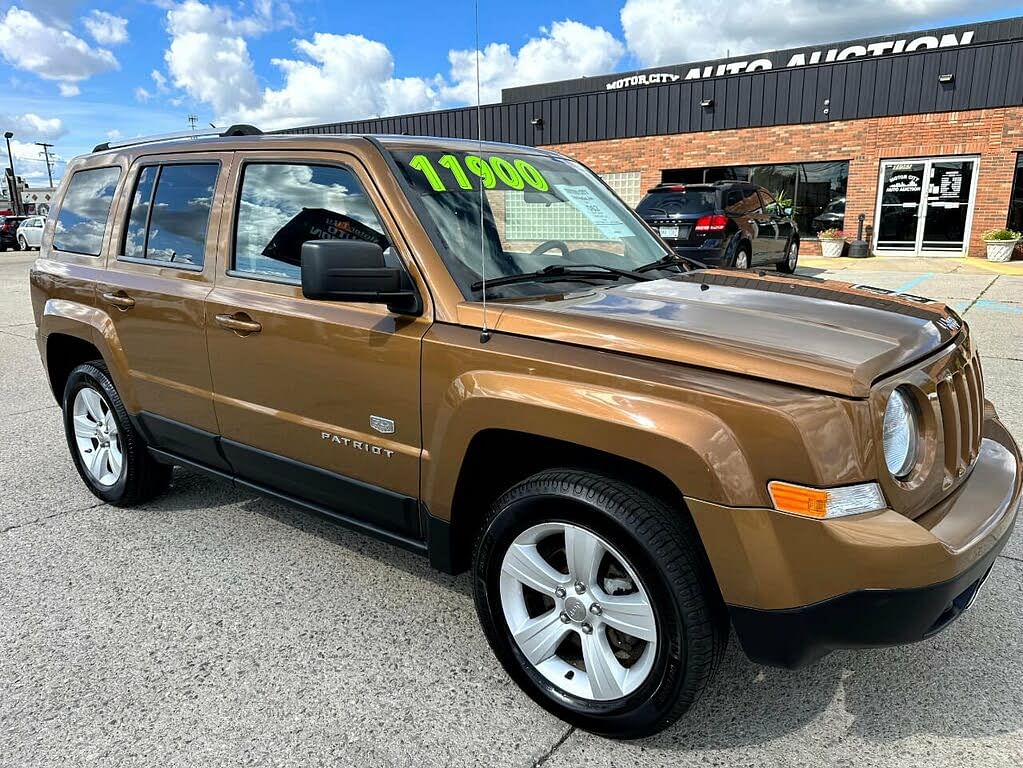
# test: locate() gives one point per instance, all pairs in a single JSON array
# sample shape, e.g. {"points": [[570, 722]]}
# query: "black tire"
{"points": [[789, 265], [742, 250], [22, 245], [141, 477], [663, 548]]}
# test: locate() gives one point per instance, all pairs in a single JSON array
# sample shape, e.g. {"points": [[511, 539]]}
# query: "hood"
{"points": [[821, 334]]}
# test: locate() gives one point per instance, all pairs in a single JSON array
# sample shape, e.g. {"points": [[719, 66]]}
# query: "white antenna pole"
{"points": [[485, 333]]}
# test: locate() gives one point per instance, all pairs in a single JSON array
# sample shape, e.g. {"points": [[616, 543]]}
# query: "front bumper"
{"points": [[797, 589]]}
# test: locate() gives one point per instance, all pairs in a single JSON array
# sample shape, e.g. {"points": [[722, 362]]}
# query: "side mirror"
{"points": [[354, 270]]}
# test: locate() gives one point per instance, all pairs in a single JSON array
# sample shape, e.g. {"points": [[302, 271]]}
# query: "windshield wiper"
{"points": [[671, 261], [556, 272]]}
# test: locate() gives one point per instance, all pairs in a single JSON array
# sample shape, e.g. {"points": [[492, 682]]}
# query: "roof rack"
{"points": [[239, 129]]}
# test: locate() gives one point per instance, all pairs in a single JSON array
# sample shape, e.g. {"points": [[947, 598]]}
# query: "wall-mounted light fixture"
{"points": [[536, 122], [707, 103], [948, 77]]}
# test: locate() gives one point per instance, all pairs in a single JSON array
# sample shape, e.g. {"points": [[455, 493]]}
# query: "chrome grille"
{"points": [[961, 400]]}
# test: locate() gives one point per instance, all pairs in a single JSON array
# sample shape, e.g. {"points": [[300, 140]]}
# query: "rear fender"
{"points": [[72, 318]]}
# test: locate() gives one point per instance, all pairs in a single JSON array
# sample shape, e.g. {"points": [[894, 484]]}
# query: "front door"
{"points": [[317, 400], [925, 206]]}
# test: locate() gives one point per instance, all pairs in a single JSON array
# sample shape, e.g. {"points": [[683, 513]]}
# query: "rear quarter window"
{"points": [[84, 212]]}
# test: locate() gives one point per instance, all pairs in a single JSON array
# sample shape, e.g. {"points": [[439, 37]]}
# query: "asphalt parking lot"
{"points": [[217, 628]]}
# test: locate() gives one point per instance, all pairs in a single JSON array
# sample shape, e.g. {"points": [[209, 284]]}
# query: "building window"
{"points": [[1016, 201], [625, 185], [522, 220], [813, 192]]}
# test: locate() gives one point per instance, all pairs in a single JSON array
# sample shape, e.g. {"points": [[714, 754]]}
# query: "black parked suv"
{"points": [[9, 232], [724, 223]]}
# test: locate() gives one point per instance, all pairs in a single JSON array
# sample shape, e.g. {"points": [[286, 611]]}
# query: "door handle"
{"points": [[119, 299], [239, 322]]}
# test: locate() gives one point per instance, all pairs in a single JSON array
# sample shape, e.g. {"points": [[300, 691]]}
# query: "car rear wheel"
{"points": [[598, 600], [22, 244], [108, 452], [791, 261], [742, 258]]}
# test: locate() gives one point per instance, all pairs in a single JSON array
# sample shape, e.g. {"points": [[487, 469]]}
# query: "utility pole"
{"points": [[193, 120], [46, 154], [13, 191]]}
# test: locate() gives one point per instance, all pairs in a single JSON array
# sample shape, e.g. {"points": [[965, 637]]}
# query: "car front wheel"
{"points": [[791, 261], [598, 600], [108, 452], [22, 244]]}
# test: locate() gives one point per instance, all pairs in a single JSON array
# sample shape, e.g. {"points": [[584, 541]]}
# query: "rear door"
{"points": [[318, 400], [744, 208], [33, 231], [159, 272], [777, 227]]}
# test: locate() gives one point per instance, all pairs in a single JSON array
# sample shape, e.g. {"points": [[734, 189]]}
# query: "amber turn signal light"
{"points": [[823, 503]]}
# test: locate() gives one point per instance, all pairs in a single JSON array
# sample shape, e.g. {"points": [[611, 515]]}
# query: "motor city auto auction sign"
{"points": [[799, 59]]}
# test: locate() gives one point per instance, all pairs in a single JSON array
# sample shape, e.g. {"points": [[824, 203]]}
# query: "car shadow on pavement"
{"points": [[192, 490], [963, 683]]}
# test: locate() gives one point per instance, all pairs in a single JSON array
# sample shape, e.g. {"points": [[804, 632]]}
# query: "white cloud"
{"points": [[347, 76], [105, 28], [28, 43], [32, 126], [679, 31], [342, 75], [208, 55], [569, 49], [141, 94]]}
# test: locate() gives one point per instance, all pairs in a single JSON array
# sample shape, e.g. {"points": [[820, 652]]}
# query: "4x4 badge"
{"points": [[382, 425]]}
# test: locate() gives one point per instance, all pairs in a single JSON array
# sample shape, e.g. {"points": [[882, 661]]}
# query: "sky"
{"points": [[76, 73]]}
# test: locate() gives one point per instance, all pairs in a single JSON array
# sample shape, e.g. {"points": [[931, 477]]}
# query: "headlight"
{"points": [[899, 434]]}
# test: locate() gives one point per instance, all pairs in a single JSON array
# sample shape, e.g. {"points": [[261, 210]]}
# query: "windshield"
{"points": [[538, 211], [677, 202]]}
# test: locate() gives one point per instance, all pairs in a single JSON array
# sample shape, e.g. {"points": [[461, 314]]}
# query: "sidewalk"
{"points": [[932, 265]]}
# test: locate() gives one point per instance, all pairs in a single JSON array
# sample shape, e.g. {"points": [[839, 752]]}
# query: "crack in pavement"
{"points": [[550, 752], [44, 518], [981, 294]]}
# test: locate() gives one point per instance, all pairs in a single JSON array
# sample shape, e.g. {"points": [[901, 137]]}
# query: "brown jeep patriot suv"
{"points": [[479, 353]]}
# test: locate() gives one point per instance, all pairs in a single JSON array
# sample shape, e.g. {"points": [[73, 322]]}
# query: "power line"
{"points": [[46, 154]]}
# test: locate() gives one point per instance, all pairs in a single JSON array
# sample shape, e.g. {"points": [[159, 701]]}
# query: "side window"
{"points": [[771, 207], [84, 211], [748, 203], [733, 200], [170, 212], [283, 205]]}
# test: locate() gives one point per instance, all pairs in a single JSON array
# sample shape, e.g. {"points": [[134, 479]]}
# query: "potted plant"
{"points": [[1001, 243], [832, 243]]}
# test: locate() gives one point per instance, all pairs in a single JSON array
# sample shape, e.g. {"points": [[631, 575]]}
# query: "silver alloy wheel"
{"points": [[22, 244], [585, 602], [793, 254], [97, 437], [742, 260]]}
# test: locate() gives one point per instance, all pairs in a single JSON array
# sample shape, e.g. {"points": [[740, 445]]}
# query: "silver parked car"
{"points": [[30, 233]]}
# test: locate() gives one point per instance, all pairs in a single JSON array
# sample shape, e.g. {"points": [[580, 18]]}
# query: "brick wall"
{"points": [[993, 134]]}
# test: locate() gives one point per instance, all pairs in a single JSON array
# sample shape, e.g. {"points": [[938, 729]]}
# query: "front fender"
{"points": [[688, 446]]}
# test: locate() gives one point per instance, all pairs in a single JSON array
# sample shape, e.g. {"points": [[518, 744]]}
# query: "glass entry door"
{"points": [[925, 206]]}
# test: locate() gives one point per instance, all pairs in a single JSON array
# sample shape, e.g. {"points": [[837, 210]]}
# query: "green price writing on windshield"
{"points": [[514, 175]]}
